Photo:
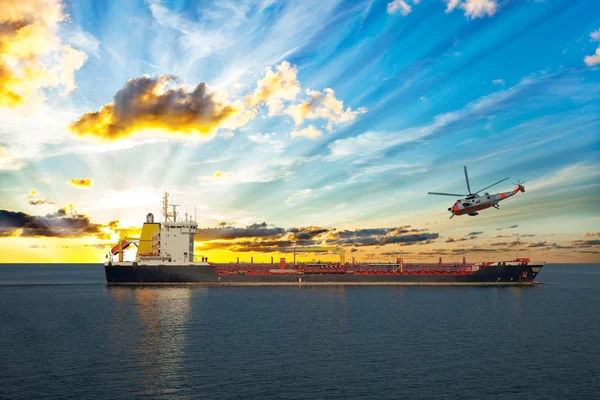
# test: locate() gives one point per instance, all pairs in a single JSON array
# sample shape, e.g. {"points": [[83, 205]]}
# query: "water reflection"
{"points": [[164, 318]]}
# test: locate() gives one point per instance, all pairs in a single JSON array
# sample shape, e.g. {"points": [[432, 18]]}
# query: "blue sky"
{"points": [[503, 87]]}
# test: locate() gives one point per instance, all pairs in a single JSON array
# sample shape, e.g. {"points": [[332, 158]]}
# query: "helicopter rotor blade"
{"points": [[447, 194], [467, 179], [493, 184]]}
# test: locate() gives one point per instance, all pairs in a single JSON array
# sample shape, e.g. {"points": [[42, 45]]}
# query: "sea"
{"points": [[64, 334]]}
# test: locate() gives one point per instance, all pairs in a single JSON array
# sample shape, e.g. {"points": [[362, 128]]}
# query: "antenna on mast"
{"points": [[165, 210]]}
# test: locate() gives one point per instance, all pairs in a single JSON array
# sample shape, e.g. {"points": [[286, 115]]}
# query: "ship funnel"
{"points": [[150, 218]]}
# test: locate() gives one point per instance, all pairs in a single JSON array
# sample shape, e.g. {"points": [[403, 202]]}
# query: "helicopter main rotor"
{"points": [[468, 187]]}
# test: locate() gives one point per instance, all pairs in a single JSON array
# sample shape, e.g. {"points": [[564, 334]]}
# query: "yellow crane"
{"points": [[338, 249]]}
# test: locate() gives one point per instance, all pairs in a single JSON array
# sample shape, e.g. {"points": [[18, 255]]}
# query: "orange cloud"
{"points": [[149, 103], [323, 106], [33, 193], [275, 87], [28, 33], [40, 202], [82, 182]]}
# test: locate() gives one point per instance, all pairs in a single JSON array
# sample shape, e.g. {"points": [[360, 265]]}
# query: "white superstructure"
{"points": [[169, 242]]}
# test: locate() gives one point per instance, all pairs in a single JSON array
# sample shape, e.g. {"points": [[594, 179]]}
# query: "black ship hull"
{"points": [[185, 274], [155, 274]]}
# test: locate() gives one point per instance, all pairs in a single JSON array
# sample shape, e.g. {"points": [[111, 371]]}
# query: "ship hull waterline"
{"points": [[522, 275]]}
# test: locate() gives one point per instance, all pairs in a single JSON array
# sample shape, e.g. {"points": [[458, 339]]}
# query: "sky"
{"points": [[300, 123]]}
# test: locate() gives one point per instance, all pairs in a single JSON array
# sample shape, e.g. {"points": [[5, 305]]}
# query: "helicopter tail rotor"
{"points": [[520, 186]]}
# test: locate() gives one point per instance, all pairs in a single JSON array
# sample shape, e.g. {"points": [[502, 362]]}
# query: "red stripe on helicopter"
{"points": [[502, 195]]}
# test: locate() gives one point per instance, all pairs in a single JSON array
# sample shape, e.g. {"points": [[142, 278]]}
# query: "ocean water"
{"points": [[65, 335]]}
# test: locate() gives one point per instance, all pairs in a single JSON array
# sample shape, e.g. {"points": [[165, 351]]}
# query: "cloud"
{"points": [[33, 193], [470, 236], [158, 106], [84, 41], [81, 182], [268, 139], [595, 35], [594, 59], [398, 5], [32, 57], [382, 236], [566, 176], [65, 223], [309, 132], [265, 238], [150, 103], [261, 230], [451, 5], [499, 82], [40, 202], [323, 105], [373, 144], [507, 227], [277, 86], [305, 233], [586, 243], [218, 176], [591, 234], [473, 8]]}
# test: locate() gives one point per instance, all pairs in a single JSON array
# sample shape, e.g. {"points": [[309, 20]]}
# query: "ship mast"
{"points": [[165, 209], [517, 246]]}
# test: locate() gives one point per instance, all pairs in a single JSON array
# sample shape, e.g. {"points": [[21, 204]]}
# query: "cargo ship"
{"points": [[165, 255]]}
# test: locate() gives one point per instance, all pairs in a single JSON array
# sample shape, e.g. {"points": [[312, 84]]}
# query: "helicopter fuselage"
{"points": [[471, 204]]}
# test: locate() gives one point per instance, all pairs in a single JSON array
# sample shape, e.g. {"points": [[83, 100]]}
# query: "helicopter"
{"points": [[474, 202]]}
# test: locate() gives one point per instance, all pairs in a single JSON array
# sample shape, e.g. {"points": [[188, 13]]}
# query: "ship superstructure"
{"points": [[160, 244], [165, 255]]}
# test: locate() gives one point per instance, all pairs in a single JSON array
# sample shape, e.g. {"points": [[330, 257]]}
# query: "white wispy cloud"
{"points": [[310, 132], [594, 59], [473, 8], [269, 140], [399, 5], [372, 145], [83, 40], [567, 176]]}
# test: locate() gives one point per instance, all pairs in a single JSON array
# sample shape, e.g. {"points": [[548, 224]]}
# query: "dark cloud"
{"points": [[264, 238], [229, 232], [398, 236], [306, 233], [63, 223], [586, 243], [147, 102], [470, 236], [262, 246], [507, 227], [40, 202]]}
